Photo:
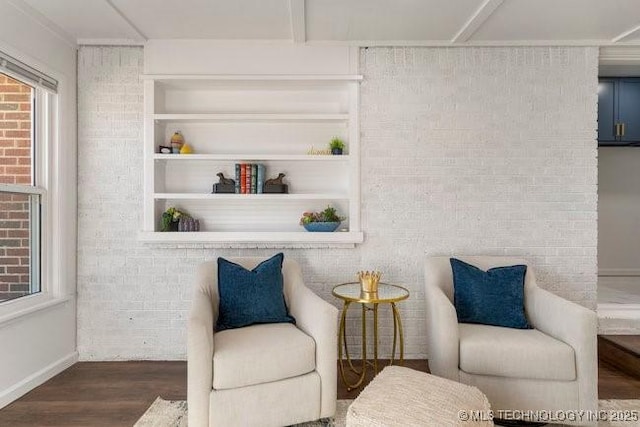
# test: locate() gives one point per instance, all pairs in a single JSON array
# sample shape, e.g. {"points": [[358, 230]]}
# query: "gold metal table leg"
{"points": [[395, 335], [396, 318], [342, 341], [375, 339]]}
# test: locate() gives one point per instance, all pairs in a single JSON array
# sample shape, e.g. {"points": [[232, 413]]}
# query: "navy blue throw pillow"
{"points": [[251, 297], [493, 297]]}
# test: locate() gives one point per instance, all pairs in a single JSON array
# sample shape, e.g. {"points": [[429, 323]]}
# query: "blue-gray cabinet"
{"points": [[619, 111]]}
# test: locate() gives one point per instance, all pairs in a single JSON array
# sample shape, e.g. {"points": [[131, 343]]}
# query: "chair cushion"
{"points": [[250, 297], [261, 353], [492, 297], [515, 353]]}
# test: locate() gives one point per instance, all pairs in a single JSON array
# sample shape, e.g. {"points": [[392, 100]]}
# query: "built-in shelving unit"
{"points": [[276, 120]]}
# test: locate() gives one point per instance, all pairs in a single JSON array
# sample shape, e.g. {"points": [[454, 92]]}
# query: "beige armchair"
{"points": [[261, 375], [551, 367]]}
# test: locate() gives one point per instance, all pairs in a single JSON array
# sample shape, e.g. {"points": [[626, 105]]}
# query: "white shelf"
{"points": [[252, 117], [241, 197], [256, 237], [254, 77], [252, 157]]}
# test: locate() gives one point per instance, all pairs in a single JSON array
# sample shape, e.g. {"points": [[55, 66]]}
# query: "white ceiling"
{"points": [[363, 22]]}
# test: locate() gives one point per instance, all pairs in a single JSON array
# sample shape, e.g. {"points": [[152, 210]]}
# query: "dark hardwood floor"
{"points": [[615, 384], [343, 393], [113, 394], [97, 394], [622, 352]]}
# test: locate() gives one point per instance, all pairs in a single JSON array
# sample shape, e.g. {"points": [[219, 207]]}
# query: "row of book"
{"points": [[249, 178]]}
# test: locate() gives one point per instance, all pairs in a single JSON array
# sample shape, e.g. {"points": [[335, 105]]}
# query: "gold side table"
{"points": [[352, 293]]}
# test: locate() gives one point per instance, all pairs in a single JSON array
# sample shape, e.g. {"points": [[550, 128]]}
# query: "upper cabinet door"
{"points": [[629, 109], [606, 111]]}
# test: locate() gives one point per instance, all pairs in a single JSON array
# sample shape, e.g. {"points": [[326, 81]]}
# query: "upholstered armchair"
{"points": [[551, 367], [261, 375]]}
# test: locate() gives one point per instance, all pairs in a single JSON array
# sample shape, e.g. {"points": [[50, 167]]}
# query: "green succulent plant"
{"points": [[336, 143], [170, 216], [328, 215]]}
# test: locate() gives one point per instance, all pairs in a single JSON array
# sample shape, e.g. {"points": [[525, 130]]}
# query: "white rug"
{"points": [[165, 413]]}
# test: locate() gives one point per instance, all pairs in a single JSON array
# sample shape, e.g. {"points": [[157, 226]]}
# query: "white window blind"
{"points": [[27, 74]]}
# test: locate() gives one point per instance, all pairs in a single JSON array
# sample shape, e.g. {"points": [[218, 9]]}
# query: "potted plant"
{"points": [[336, 145], [328, 220], [171, 218]]}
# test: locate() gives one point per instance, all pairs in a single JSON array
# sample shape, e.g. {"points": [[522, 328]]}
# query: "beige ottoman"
{"points": [[405, 397]]}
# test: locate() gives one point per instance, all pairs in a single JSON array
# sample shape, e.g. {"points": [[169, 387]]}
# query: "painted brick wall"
{"points": [[493, 149], [15, 168]]}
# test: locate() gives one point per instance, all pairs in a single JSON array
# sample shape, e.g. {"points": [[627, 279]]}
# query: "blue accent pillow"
{"points": [[493, 297], [250, 297]]}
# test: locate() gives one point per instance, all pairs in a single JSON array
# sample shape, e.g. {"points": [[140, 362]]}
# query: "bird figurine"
{"points": [[223, 180], [275, 181]]}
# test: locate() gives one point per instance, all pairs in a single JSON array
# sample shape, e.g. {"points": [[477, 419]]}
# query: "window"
{"points": [[19, 196], [26, 106]]}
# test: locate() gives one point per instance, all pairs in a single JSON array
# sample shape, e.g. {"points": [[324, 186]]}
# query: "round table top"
{"points": [[352, 292]]}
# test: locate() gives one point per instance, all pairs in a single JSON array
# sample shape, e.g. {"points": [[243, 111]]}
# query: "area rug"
{"points": [[166, 413]]}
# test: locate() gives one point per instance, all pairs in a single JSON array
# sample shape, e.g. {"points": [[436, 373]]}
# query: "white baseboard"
{"points": [[615, 272], [32, 381]]}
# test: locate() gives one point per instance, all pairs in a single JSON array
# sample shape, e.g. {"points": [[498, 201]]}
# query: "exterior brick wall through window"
{"points": [[15, 168]]}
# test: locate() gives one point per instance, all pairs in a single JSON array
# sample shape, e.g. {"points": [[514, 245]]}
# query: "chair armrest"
{"points": [[562, 319], [443, 337], [319, 319], [574, 325], [200, 359]]}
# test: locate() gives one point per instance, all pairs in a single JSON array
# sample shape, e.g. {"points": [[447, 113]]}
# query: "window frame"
{"points": [[45, 117]]}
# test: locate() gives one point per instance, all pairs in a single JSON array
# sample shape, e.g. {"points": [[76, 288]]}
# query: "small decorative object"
{"points": [[171, 219], [186, 149], [325, 221], [369, 280], [177, 140], [224, 180], [188, 224], [336, 145], [163, 149], [322, 227], [275, 185], [314, 152], [225, 185]]}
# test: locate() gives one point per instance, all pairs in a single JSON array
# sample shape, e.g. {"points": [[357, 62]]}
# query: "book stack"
{"points": [[249, 178]]}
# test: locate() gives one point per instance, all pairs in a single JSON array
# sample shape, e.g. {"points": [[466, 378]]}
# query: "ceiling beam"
{"points": [[124, 17], [626, 34], [298, 24], [476, 20]]}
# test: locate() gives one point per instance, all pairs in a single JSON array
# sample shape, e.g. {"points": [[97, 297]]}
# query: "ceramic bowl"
{"points": [[322, 226]]}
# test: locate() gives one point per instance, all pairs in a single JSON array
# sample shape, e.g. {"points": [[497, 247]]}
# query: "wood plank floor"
{"points": [[621, 352], [97, 394], [113, 394], [629, 342]]}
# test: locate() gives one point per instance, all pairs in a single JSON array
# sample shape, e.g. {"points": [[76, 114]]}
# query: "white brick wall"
{"points": [[464, 151]]}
